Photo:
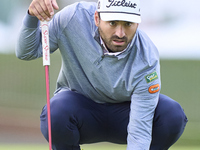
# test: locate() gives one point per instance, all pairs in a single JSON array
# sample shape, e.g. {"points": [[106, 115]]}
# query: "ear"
{"points": [[96, 18]]}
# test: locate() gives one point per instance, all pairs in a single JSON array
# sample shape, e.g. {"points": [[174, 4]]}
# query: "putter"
{"points": [[46, 63]]}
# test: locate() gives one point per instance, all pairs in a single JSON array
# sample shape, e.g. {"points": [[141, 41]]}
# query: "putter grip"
{"points": [[45, 43]]}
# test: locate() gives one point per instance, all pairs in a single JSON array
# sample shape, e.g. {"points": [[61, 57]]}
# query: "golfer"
{"points": [[108, 88]]}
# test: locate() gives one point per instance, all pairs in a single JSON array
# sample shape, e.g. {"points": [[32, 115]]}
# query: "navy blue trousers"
{"points": [[76, 120]]}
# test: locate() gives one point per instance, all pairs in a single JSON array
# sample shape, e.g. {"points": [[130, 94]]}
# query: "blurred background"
{"points": [[174, 27]]}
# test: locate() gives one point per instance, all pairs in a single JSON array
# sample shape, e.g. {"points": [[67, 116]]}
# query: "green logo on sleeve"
{"points": [[151, 77]]}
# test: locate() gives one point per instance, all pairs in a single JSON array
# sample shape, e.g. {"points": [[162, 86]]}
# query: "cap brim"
{"points": [[109, 16]]}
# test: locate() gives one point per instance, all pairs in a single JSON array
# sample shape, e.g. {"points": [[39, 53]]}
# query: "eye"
{"points": [[128, 24], [112, 23]]}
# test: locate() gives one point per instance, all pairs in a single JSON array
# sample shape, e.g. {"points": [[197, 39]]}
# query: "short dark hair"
{"points": [[99, 16]]}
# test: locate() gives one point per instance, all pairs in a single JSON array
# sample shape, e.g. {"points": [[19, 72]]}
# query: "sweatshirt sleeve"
{"points": [[29, 42], [143, 103]]}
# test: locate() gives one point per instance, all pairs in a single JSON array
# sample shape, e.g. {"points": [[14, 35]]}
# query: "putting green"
{"points": [[100, 146]]}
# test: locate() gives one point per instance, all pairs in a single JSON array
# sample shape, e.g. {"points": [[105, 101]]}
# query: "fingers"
{"points": [[43, 9], [39, 10], [49, 8], [55, 5]]}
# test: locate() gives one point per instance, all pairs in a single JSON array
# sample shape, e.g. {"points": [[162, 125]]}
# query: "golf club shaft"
{"points": [[48, 104]]}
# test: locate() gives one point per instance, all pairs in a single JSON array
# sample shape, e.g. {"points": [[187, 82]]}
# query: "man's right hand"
{"points": [[43, 9]]}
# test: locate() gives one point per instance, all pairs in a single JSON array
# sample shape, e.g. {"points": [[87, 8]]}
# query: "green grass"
{"points": [[23, 147], [106, 146], [86, 147], [22, 86]]}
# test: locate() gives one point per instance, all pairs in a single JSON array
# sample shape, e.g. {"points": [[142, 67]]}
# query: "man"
{"points": [[109, 83]]}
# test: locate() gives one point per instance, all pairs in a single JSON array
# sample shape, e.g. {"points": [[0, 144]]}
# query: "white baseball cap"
{"points": [[122, 10]]}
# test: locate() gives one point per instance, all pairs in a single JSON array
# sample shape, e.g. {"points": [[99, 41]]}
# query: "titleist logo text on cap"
{"points": [[122, 3]]}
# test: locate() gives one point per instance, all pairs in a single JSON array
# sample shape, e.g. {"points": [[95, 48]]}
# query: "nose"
{"points": [[120, 31]]}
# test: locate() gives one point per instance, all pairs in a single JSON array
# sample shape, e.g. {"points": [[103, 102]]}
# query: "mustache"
{"points": [[115, 37]]}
